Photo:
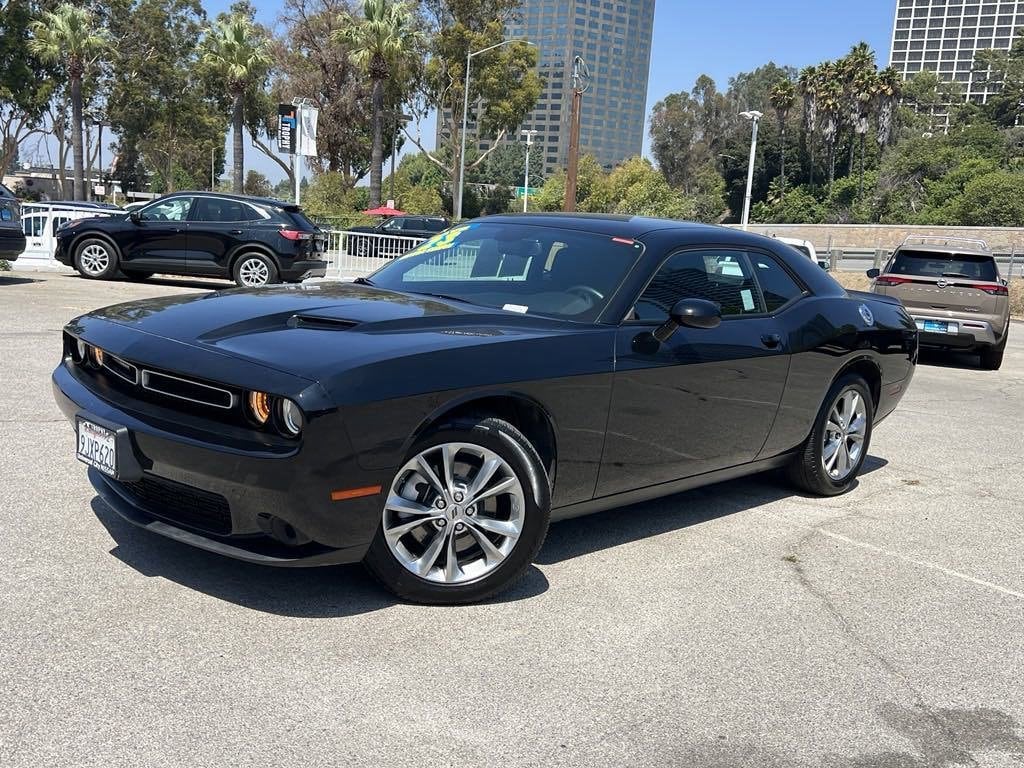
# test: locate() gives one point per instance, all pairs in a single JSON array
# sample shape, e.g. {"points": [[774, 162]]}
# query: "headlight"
{"points": [[97, 356], [82, 349], [291, 418], [259, 406]]}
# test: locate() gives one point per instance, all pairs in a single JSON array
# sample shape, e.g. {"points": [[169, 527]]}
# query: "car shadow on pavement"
{"points": [[939, 359], [327, 592], [17, 280], [585, 535]]}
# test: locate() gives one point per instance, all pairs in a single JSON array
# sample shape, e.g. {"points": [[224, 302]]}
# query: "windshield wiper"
{"points": [[446, 296], [954, 274], [363, 281]]}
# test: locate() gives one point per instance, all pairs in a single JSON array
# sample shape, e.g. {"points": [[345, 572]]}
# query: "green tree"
{"points": [[26, 83], [386, 39], [504, 84], [70, 37], [889, 87], [507, 165], [782, 97], [1004, 70], [993, 200], [257, 184], [808, 83], [239, 57]]}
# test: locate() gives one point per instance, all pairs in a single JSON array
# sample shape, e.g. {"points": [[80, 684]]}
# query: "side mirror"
{"points": [[693, 313], [873, 272], [134, 216]]}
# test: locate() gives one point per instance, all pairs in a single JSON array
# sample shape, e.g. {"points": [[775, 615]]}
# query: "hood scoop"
{"points": [[321, 322]]}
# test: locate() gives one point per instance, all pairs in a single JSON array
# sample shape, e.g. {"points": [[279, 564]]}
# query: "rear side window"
{"points": [[721, 276], [938, 264], [777, 287], [301, 220], [435, 225], [217, 209]]}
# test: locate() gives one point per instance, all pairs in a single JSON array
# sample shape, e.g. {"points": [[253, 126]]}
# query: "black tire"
{"points": [[136, 275], [992, 357], [96, 259], [244, 266], [807, 470], [512, 446]]}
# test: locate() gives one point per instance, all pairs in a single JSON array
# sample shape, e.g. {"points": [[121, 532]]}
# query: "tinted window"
{"points": [[393, 225], [723, 277], [777, 287], [219, 209], [414, 225], [175, 209], [517, 267], [435, 225], [938, 264], [300, 218]]}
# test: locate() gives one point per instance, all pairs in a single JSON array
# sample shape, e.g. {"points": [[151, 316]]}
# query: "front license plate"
{"points": [[97, 447], [936, 326]]}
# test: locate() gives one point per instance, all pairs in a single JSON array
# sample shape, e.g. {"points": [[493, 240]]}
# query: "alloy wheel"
{"points": [[454, 513], [253, 273], [94, 259], [843, 439]]}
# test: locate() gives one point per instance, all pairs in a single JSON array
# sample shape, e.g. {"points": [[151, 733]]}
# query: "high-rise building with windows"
{"points": [[944, 35], [614, 39]]}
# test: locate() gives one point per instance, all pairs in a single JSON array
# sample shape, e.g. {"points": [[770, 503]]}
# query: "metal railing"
{"points": [[353, 254]]}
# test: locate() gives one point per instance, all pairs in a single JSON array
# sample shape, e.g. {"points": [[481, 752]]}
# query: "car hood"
{"points": [[315, 330]]}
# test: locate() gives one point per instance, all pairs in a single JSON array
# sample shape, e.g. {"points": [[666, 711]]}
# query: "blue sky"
{"points": [[694, 37]]}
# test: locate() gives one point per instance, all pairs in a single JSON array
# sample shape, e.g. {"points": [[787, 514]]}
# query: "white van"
{"points": [[40, 222], [805, 247]]}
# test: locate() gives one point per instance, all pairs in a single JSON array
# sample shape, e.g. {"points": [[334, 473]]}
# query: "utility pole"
{"points": [[213, 176], [526, 182], [580, 84], [754, 116]]}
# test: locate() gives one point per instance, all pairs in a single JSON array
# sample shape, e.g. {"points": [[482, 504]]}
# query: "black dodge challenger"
{"points": [[432, 419]]}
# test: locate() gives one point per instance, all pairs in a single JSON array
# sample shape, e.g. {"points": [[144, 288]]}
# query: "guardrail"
{"points": [[853, 259]]}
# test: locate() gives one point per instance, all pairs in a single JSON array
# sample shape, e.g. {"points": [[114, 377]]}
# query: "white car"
{"points": [[806, 247]]}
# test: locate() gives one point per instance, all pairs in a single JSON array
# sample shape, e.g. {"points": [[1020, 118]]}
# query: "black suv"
{"points": [[251, 240], [12, 239], [420, 227]]}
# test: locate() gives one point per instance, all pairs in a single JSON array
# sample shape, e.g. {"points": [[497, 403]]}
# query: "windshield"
{"points": [[517, 267], [939, 264]]}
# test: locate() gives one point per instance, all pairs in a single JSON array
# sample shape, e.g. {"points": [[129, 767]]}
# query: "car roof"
{"points": [[271, 201], [625, 225]]}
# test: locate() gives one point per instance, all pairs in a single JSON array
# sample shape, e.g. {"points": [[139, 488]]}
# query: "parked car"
{"points": [[412, 228], [433, 418], [12, 239], [806, 247], [953, 290], [252, 240]]}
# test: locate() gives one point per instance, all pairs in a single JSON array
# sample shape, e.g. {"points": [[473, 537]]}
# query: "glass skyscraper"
{"points": [[614, 38], [944, 35]]}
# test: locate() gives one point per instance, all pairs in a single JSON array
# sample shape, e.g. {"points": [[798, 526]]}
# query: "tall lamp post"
{"points": [[754, 116], [526, 182], [465, 116], [400, 121]]}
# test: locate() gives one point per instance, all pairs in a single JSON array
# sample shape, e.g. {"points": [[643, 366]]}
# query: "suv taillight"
{"points": [[992, 290], [890, 280], [294, 234]]}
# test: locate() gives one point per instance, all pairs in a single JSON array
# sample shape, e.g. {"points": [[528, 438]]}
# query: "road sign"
{"points": [[520, 191]]}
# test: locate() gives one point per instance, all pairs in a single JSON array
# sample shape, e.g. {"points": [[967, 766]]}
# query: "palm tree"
{"points": [[808, 82], [853, 69], [782, 97], [888, 88], [382, 41], [865, 88], [238, 53], [830, 100], [68, 37]]}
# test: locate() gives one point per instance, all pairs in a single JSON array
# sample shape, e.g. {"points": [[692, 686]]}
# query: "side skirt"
{"points": [[669, 488]]}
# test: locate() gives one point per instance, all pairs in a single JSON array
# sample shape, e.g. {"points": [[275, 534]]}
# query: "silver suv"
{"points": [[953, 290]]}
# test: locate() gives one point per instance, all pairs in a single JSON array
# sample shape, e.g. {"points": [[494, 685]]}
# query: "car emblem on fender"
{"points": [[942, 283], [866, 315]]}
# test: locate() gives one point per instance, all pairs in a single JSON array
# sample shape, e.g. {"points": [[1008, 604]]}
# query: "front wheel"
{"points": [[464, 516], [829, 460], [96, 259]]}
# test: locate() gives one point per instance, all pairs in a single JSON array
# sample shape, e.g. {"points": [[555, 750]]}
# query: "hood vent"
{"points": [[321, 323]]}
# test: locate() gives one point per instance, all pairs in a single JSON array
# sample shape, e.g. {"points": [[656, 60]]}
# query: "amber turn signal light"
{"points": [[259, 406]]}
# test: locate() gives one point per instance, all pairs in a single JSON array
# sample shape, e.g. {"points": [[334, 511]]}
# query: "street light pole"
{"points": [[754, 116], [400, 120], [526, 182], [465, 120]]}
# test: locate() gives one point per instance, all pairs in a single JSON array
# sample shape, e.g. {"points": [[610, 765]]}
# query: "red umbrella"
{"points": [[384, 211]]}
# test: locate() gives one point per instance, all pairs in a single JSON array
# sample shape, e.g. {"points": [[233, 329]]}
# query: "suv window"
{"points": [[219, 209], [938, 264], [393, 224], [175, 209], [721, 276], [777, 287], [413, 225], [435, 225]]}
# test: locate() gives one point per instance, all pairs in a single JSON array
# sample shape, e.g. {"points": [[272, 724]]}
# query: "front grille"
{"points": [[187, 389], [182, 504]]}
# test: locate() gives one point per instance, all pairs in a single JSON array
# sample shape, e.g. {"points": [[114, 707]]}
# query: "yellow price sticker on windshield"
{"points": [[441, 242]]}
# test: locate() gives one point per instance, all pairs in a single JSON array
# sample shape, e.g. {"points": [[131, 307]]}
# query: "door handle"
{"points": [[771, 340], [235, 232]]}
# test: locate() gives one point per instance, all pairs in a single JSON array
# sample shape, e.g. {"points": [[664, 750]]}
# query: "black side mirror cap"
{"points": [[873, 272], [693, 313], [134, 216]]}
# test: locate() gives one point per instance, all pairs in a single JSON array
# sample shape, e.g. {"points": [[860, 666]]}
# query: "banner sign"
{"points": [[306, 144], [286, 128]]}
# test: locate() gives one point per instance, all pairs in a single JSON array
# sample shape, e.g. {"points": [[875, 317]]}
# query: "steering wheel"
{"points": [[585, 291]]}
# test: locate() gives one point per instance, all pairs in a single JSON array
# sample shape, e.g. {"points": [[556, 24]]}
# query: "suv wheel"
{"points": [[992, 357], [253, 270], [96, 259], [464, 516], [832, 455]]}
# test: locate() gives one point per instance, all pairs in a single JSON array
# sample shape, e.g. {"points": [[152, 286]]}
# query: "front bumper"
{"points": [[971, 333], [236, 503]]}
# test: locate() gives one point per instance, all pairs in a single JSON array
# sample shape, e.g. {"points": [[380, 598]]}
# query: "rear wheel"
{"points": [[253, 270], [829, 460], [96, 259], [464, 516], [992, 357]]}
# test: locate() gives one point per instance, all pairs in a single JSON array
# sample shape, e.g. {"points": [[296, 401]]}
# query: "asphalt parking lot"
{"points": [[738, 625]]}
